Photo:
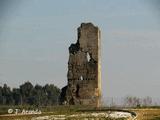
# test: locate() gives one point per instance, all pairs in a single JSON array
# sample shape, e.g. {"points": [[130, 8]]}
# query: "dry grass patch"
{"points": [[147, 114]]}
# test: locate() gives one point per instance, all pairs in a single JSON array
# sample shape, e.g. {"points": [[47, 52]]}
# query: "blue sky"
{"points": [[35, 36]]}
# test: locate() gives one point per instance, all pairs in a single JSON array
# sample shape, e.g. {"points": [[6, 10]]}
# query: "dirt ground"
{"points": [[147, 114]]}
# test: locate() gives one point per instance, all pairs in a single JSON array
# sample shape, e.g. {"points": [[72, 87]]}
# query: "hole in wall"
{"points": [[77, 91], [81, 77], [88, 57]]}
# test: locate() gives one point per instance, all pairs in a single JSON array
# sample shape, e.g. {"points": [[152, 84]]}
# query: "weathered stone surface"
{"points": [[84, 70]]}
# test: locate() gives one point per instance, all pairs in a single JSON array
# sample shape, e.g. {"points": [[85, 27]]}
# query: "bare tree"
{"points": [[147, 101], [131, 101]]}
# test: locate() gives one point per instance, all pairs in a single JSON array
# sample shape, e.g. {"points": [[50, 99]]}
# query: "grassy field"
{"points": [[147, 113], [142, 113]]}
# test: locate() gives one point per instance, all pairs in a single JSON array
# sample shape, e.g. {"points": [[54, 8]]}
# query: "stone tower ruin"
{"points": [[84, 69]]}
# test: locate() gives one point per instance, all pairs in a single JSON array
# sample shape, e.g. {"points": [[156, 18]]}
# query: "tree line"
{"points": [[28, 94], [130, 101]]}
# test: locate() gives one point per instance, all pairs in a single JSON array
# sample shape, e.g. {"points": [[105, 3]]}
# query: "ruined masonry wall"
{"points": [[84, 70]]}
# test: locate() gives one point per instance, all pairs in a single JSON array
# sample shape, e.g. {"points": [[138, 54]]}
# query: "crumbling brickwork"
{"points": [[84, 70]]}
